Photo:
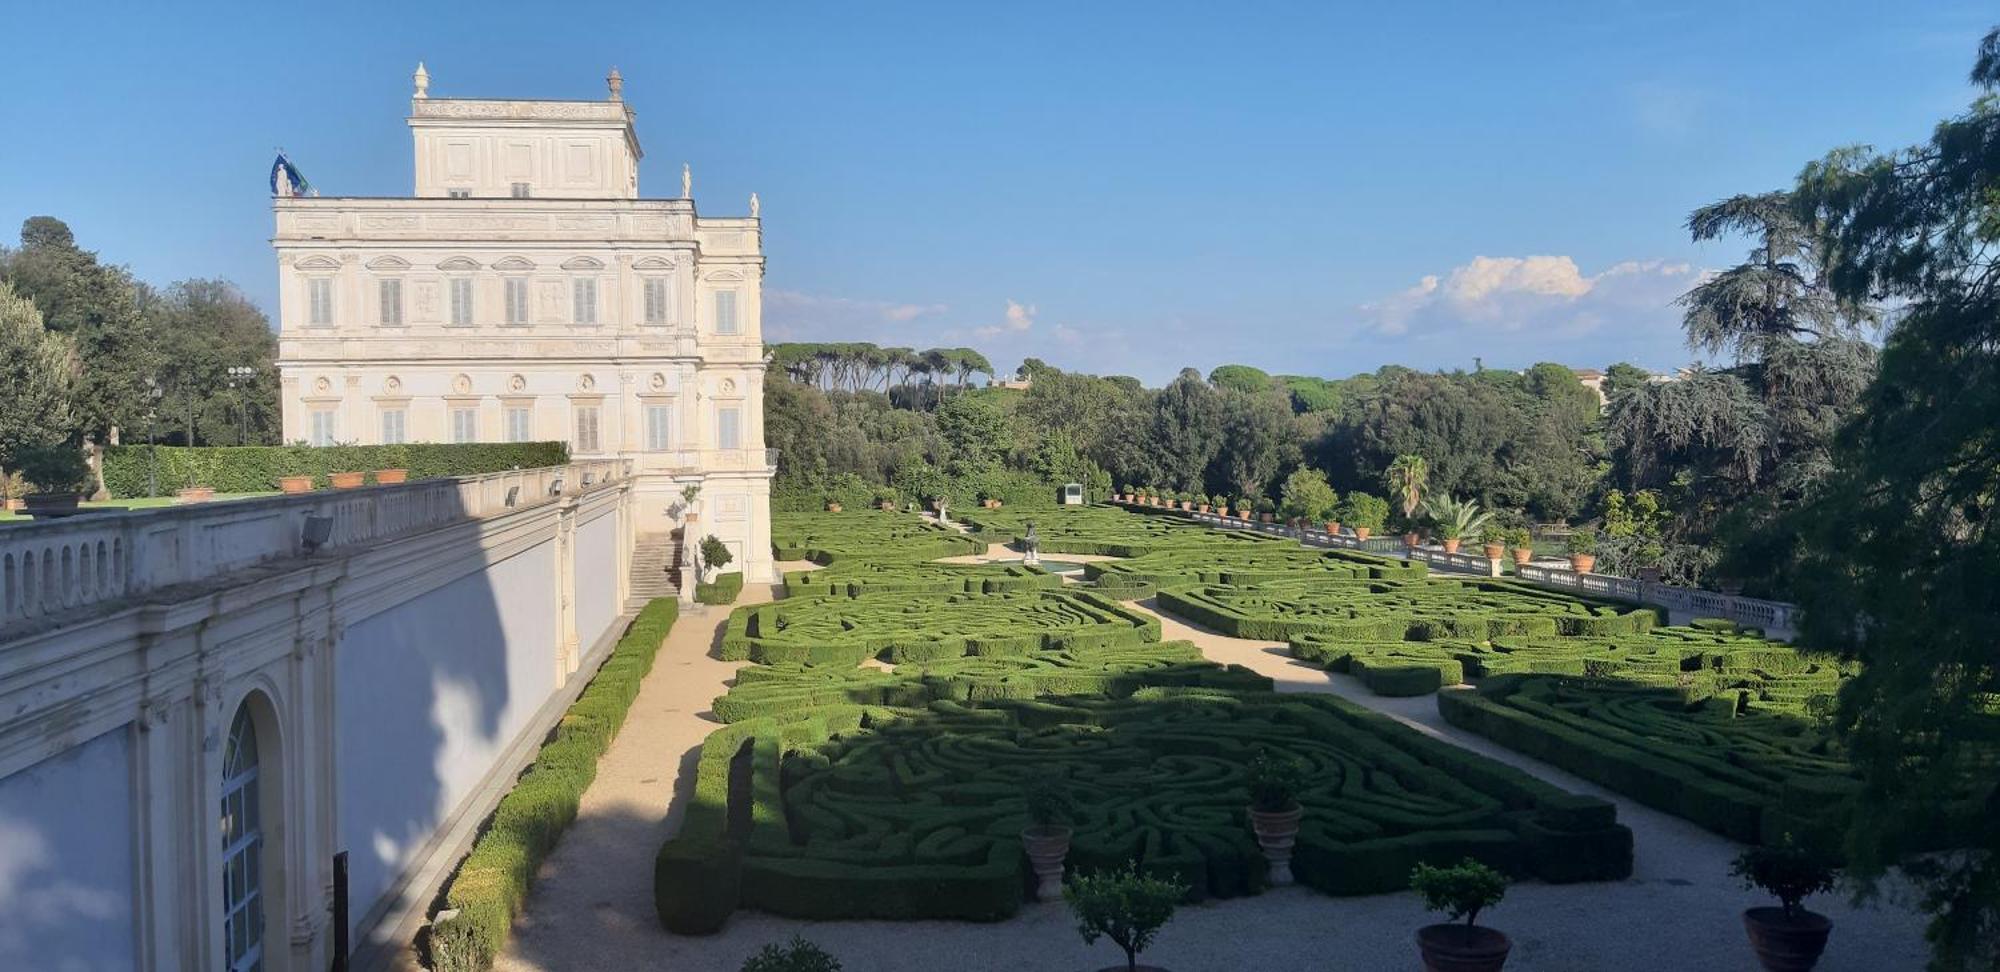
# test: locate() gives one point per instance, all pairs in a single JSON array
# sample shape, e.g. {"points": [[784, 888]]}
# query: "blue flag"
{"points": [[282, 168]]}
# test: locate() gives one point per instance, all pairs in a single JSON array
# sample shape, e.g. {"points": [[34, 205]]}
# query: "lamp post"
{"points": [[152, 442], [240, 375]]}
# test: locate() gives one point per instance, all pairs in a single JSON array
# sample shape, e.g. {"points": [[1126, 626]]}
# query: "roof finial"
{"points": [[423, 79], [687, 181], [755, 206], [617, 85]]}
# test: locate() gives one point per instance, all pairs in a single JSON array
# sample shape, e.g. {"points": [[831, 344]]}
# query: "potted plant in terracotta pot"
{"points": [[1455, 519], [195, 494], [1046, 839], [1125, 906], [1461, 892], [688, 495], [1493, 543], [797, 955], [885, 499], [15, 486], [1523, 543], [56, 475], [1220, 503], [346, 480], [1364, 513], [1787, 938], [295, 484], [1275, 782], [1648, 557], [1581, 545], [390, 477], [832, 504]]}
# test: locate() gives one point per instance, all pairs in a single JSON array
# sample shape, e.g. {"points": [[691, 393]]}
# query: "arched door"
{"points": [[242, 849]]}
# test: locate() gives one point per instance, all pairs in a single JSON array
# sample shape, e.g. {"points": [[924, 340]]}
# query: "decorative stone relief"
{"points": [[658, 381], [392, 384], [322, 384], [461, 384], [517, 383], [586, 382]]}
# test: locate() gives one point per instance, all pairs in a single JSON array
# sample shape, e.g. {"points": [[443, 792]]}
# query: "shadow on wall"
{"points": [[65, 876]]}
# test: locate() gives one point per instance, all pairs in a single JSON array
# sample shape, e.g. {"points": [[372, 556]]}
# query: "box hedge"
{"points": [[257, 469]]}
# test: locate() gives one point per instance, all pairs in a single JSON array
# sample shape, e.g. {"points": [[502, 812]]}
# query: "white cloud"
{"points": [[793, 316], [1548, 295], [1020, 317]]}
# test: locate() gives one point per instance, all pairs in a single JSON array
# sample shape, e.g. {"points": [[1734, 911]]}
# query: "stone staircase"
{"points": [[656, 568]]}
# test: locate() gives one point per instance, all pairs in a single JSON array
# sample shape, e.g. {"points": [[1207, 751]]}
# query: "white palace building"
{"points": [[526, 292], [258, 735]]}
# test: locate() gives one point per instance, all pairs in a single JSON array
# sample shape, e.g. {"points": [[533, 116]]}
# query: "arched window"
{"points": [[242, 849]]}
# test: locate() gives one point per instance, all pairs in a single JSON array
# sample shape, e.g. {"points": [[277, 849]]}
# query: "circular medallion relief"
{"points": [[586, 382], [461, 384], [729, 386], [322, 384], [516, 383], [658, 380], [392, 383]]}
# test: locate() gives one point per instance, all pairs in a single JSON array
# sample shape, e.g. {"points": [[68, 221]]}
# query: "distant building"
{"points": [[527, 292], [1017, 383], [1592, 379]]}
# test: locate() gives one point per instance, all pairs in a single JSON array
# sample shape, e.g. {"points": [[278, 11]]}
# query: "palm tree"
{"points": [[1455, 519], [1407, 478]]}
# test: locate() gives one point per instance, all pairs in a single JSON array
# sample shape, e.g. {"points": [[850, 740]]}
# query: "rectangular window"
{"points": [[520, 423], [583, 292], [319, 300], [656, 300], [392, 302], [586, 429], [659, 420], [458, 193], [322, 427], [393, 426], [520, 190], [461, 301], [725, 312], [728, 420], [465, 424], [517, 300]]}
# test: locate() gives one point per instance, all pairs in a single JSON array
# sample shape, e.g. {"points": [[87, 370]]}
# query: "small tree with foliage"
{"points": [[1306, 496], [1455, 519], [1407, 478], [1462, 891], [1365, 512], [1787, 871], [1275, 782], [797, 955], [53, 468], [1123, 905], [714, 553]]}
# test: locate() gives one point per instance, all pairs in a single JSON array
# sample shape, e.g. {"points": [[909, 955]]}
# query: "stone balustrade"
{"points": [[48, 567]]}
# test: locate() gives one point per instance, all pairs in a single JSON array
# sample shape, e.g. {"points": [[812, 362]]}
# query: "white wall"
{"points": [[597, 569], [428, 694], [66, 874]]}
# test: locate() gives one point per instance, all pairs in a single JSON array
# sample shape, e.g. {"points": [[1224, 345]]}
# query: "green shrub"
{"points": [[254, 469], [797, 955], [1361, 510], [491, 884], [723, 591], [1125, 906], [54, 468], [1787, 872], [1462, 891]]}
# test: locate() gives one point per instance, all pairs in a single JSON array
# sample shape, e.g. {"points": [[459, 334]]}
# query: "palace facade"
{"points": [[526, 292]]}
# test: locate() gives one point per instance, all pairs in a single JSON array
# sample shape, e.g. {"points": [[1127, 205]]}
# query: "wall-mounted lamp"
{"points": [[318, 530]]}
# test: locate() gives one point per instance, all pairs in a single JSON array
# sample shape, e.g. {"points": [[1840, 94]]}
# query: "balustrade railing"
{"points": [[51, 566]]}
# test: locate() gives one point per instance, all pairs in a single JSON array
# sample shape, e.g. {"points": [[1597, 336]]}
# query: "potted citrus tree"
{"points": [[1581, 545], [1221, 504], [1125, 906], [1787, 938], [1046, 838], [797, 955], [1523, 543], [1365, 513], [885, 499], [56, 476], [1493, 542], [688, 495], [1275, 811], [1461, 892]]}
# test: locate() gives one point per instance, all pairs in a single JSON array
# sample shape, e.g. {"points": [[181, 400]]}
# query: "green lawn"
{"points": [[139, 503]]}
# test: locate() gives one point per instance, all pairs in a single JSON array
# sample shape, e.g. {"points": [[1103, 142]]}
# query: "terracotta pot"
{"points": [[50, 504], [16, 504], [1462, 948], [690, 517], [1522, 555], [1186, 506], [346, 480], [1203, 507], [195, 494], [1582, 563], [1242, 514], [1495, 550], [1451, 546], [886, 506], [1411, 539], [296, 484], [1276, 833], [1267, 518], [1047, 845], [833, 507], [1361, 534], [390, 477], [1787, 944], [1333, 527]]}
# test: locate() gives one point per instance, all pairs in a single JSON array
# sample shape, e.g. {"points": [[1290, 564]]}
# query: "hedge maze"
{"points": [[875, 754], [856, 811]]}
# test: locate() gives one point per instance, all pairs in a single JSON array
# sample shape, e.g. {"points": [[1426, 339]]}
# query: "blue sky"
{"points": [[1314, 188]]}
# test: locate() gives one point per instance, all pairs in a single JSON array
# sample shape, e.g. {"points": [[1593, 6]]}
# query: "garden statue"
{"points": [[1029, 544]]}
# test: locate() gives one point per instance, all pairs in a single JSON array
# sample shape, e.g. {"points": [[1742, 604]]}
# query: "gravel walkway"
{"points": [[592, 905]]}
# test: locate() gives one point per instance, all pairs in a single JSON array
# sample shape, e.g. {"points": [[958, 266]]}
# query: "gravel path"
{"points": [[592, 905]]}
